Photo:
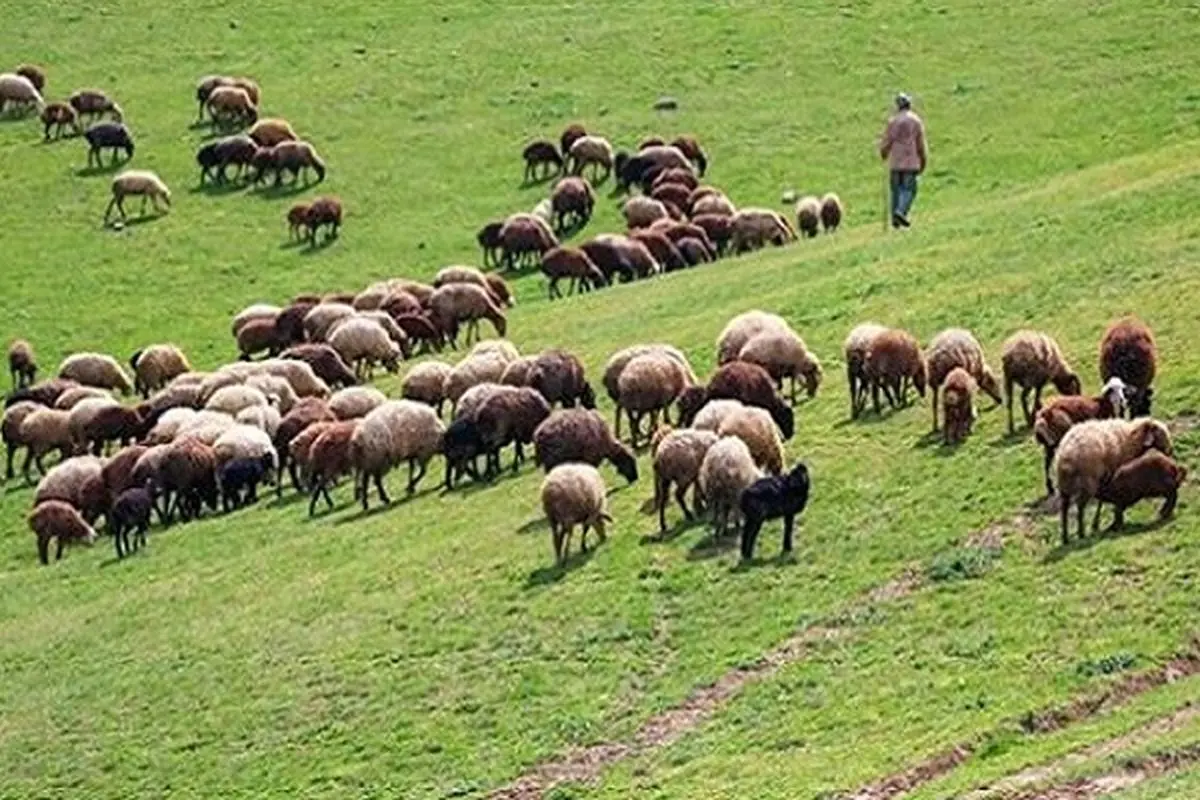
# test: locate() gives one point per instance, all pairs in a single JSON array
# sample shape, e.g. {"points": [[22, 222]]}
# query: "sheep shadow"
{"points": [[293, 243], [712, 547], [132, 222], [316, 245], [930, 439], [539, 180], [277, 191], [103, 168], [672, 533], [569, 231], [399, 500], [218, 189], [1009, 440], [548, 576], [1109, 534], [535, 526], [781, 559]]}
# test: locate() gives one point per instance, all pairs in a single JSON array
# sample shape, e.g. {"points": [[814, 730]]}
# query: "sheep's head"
{"points": [[623, 459], [989, 384], [812, 377], [690, 401], [1154, 436], [587, 397], [920, 377], [785, 418], [1068, 383]]}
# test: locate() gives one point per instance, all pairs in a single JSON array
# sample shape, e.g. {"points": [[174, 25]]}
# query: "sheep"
{"points": [[725, 473], [620, 255], [76, 481], [73, 396], [509, 417], [1052, 421], [471, 372], [296, 157], [265, 418], [714, 413], [239, 150], [649, 384], [59, 521], [574, 494], [299, 375], [204, 89], [893, 358], [34, 74], [167, 426], [715, 205], [1030, 360], [95, 103], [138, 182], [755, 427], [255, 311], [44, 393], [22, 366], [676, 231], [363, 343], [374, 296], [108, 136], [329, 458], [41, 431], [321, 318], [258, 335], [324, 361], [187, 470], [472, 399], [574, 264], [245, 441], [59, 116], [957, 347], [249, 86], [832, 212], [808, 215], [156, 366], [270, 132], [323, 211], [783, 354], [206, 427], [571, 134], [1151, 474], [572, 202], [95, 369], [649, 161], [541, 156], [958, 405], [673, 194], [185, 396], [749, 383], [691, 148], [661, 248], [559, 377], [113, 423], [618, 361], [425, 383], [117, 473], [462, 445], [305, 413], [590, 150], [678, 455], [523, 236], [641, 211], [855, 350], [718, 230], [463, 302], [490, 243], [756, 227], [693, 251], [741, 329], [231, 106], [651, 141], [130, 512], [419, 329], [676, 175], [395, 432], [770, 498], [1128, 351], [1092, 451], [232, 399], [355, 402], [19, 92], [517, 373], [577, 434], [10, 431], [495, 285]]}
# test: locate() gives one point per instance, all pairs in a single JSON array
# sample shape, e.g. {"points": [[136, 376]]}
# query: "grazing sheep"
{"points": [[783, 354], [297, 220], [590, 150], [249, 86], [278, 390], [661, 248], [73, 396], [425, 383], [419, 329], [216, 157], [10, 431], [185, 396], [306, 413], [581, 435], [691, 148], [1149, 475], [456, 303], [117, 472], [323, 211], [570, 135], [34, 74], [749, 383], [646, 165], [1092, 451], [678, 455], [509, 417], [1031, 360], [207, 426], [957, 347], [470, 372], [265, 418], [524, 236], [718, 229], [231, 106], [289, 322], [676, 231], [641, 211], [855, 350], [755, 427], [19, 92], [59, 521], [329, 458], [496, 286], [296, 157], [168, 425], [1052, 421], [156, 366], [95, 369], [113, 423], [188, 471], [620, 256], [649, 384], [618, 361], [462, 445], [727, 471], [832, 212], [517, 372], [472, 399], [693, 251], [255, 311], [270, 132], [108, 136], [651, 141], [676, 194], [325, 362], [770, 498], [1128, 352], [572, 202], [299, 375], [138, 182], [958, 405], [363, 343], [130, 512], [245, 441], [715, 204], [395, 432], [257, 336], [232, 399], [44, 393], [204, 89], [322, 318], [754, 228], [574, 264], [22, 366], [490, 243], [744, 327], [714, 414], [808, 215], [76, 481], [95, 103], [355, 402], [59, 116], [559, 377], [541, 157], [680, 177], [893, 358], [41, 431], [574, 494]]}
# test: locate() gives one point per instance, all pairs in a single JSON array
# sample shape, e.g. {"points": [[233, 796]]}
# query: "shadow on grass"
{"points": [[293, 243], [539, 180], [382, 508], [712, 547], [535, 526], [779, 560], [103, 168], [547, 576], [930, 439], [568, 231], [672, 533], [1080, 545], [316, 245], [275, 191], [1008, 440], [218, 189], [132, 222]]}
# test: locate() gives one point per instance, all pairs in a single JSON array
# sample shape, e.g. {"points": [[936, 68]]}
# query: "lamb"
{"points": [[893, 358], [22, 366], [755, 227], [1092, 451], [1052, 422], [321, 318], [855, 350], [594, 151], [363, 343], [270, 132], [59, 116], [76, 481], [770, 498], [462, 445], [509, 417], [34, 74], [748, 383], [574, 494], [661, 248], [490, 243], [956, 347], [783, 354], [576, 434], [19, 92], [574, 264], [330, 457], [808, 215], [10, 431], [755, 427], [232, 399], [715, 204], [649, 384], [522, 236], [59, 521], [397, 431], [678, 455], [958, 405], [95, 369], [1128, 352], [542, 157], [744, 327], [231, 106], [325, 362], [355, 402], [425, 383], [463, 302], [727, 471], [1151, 474], [618, 361], [641, 211], [559, 377], [572, 202], [130, 512], [156, 366], [573, 133], [138, 182], [188, 470], [832, 212], [1031, 360], [108, 136], [255, 311]]}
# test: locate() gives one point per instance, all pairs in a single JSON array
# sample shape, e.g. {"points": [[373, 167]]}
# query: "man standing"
{"points": [[903, 145]]}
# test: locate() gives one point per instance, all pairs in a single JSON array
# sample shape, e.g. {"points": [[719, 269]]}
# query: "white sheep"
{"points": [[619, 360], [783, 354], [81, 416], [138, 182], [425, 383], [742, 328], [167, 426], [593, 150], [265, 418], [501, 348], [96, 369], [156, 366], [19, 92], [714, 413], [395, 432], [755, 427], [207, 426], [472, 371], [728, 469], [363, 343], [678, 455], [257, 311], [641, 211], [322, 317], [68, 481], [355, 402], [278, 390], [649, 384], [232, 399], [574, 494], [245, 441], [300, 375]]}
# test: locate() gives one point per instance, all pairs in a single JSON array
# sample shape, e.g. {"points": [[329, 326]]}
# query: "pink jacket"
{"points": [[903, 143]]}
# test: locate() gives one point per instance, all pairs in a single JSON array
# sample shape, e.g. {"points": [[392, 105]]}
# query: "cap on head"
{"points": [[903, 101]]}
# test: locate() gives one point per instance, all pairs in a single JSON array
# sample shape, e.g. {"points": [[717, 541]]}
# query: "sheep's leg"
{"points": [[789, 524], [1096, 518], [59, 549], [1167, 511], [414, 480], [875, 395], [1081, 507], [1008, 394], [934, 407], [681, 498], [1047, 461], [117, 543]]}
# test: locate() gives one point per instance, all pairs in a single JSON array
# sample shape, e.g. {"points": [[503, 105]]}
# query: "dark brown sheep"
{"points": [[114, 424], [296, 157], [239, 151], [117, 472], [324, 211], [22, 366], [112, 136], [297, 218], [577, 434], [329, 458], [574, 264], [693, 251], [675, 231], [189, 472], [651, 141], [958, 405], [94, 103], [422, 331], [398, 304], [59, 116], [34, 74], [256, 336], [509, 418], [674, 194], [831, 212], [694, 152], [573, 132], [289, 323], [542, 160], [523, 237], [614, 258], [490, 243], [1128, 351], [719, 229], [57, 520], [44, 393], [663, 249], [682, 177], [738, 380], [893, 360], [304, 414], [1060, 414], [572, 202], [559, 377], [1147, 476], [325, 363]]}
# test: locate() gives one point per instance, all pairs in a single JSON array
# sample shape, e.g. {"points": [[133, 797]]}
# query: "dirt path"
{"points": [[1130, 773]]}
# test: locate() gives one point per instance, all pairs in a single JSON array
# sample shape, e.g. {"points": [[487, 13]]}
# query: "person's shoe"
{"points": [[899, 221]]}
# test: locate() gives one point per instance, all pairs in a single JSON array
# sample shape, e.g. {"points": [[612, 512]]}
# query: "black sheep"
{"points": [[207, 160], [541, 157], [770, 498], [242, 475], [462, 444], [490, 242], [108, 136], [131, 511]]}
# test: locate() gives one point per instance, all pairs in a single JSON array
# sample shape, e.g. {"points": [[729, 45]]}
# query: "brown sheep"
{"points": [[421, 330], [577, 434], [619, 256], [329, 458], [559, 377], [22, 366], [400, 303], [490, 243], [325, 363], [893, 359], [574, 264], [681, 177], [675, 231], [832, 211], [738, 380], [60, 116], [958, 405], [509, 417], [651, 141], [663, 249], [1031, 360], [114, 423], [1128, 351], [295, 157], [1062, 413], [34, 74], [303, 415], [718, 228], [569, 136], [675, 194], [542, 161], [94, 103], [1150, 475], [57, 520], [270, 132], [693, 251], [957, 347], [289, 323], [256, 336], [524, 236], [324, 211], [465, 302], [572, 202], [189, 472], [297, 220], [691, 148]]}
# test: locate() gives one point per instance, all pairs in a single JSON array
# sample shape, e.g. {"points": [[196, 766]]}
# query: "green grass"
{"points": [[429, 650]]}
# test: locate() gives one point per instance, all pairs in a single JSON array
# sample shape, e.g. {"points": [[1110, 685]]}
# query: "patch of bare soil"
{"points": [[1130, 773]]}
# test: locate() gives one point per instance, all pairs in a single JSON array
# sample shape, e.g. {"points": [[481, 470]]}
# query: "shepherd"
{"points": [[903, 145]]}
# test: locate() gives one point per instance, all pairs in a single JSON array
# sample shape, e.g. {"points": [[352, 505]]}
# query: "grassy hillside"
{"points": [[429, 650]]}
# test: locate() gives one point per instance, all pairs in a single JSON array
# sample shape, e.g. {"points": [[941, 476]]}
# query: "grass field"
{"points": [[430, 650]]}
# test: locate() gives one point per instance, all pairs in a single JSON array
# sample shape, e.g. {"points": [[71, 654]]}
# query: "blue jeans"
{"points": [[904, 191]]}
